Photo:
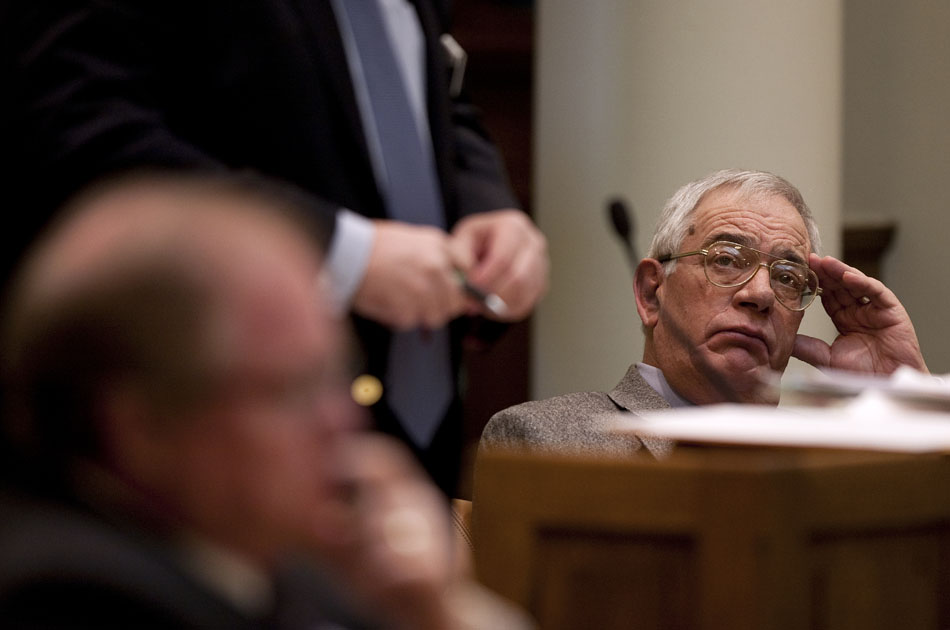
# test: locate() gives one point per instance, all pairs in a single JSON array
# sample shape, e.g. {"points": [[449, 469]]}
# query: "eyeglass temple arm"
{"points": [[668, 257]]}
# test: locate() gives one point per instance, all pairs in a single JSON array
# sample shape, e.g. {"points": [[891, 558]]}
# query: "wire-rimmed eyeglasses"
{"points": [[732, 265]]}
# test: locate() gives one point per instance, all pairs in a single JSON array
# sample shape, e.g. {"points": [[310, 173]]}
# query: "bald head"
{"points": [[196, 224], [153, 279]]}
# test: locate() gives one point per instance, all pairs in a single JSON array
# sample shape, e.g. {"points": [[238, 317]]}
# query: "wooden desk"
{"points": [[719, 538]]}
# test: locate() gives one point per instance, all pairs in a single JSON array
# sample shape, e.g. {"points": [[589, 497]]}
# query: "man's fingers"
{"points": [[496, 239], [525, 285], [848, 285], [410, 279], [812, 351]]}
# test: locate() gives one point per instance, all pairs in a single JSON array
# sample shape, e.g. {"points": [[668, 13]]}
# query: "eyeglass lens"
{"points": [[730, 265]]}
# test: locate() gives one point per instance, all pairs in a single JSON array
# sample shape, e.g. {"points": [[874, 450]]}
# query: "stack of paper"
{"points": [[903, 413]]}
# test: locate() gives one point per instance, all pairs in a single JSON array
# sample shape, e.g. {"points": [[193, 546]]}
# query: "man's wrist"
{"points": [[347, 257]]}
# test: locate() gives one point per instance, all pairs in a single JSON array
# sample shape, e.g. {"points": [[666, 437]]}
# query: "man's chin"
{"points": [[746, 357], [740, 377]]}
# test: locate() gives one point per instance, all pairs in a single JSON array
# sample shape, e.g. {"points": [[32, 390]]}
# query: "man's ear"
{"points": [[131, 441], [647, 280]]}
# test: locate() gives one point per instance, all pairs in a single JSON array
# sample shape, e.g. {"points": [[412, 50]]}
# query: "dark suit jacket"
{"points": [[64, 566], [94, 87], [578, 422]]}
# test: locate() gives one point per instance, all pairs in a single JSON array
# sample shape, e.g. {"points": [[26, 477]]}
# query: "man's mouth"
{"points": [[752, 339]]}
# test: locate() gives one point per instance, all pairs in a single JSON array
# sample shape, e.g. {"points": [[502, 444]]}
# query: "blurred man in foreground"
{"points": [[716, 328], [185, 447]]}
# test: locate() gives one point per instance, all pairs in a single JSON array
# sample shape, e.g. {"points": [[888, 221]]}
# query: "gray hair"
{"points": [[673, 224]]}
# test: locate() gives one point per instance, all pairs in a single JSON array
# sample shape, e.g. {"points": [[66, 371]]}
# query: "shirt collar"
{"points": [[655, 379]]}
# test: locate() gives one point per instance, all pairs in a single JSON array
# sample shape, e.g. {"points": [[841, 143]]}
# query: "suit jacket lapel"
{"points": [[634, 394], [318, 16]]}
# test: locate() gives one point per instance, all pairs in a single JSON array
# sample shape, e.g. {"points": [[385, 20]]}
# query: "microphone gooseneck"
{"points": [[621, 219]]}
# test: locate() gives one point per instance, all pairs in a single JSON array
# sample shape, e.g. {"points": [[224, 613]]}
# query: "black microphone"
{"points": [[621, 219]]}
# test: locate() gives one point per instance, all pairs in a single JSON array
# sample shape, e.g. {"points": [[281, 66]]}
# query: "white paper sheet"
{"points": [[873, 421]]}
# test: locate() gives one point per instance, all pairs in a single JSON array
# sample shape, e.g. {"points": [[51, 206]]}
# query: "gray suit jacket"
{"points": [[578, 422]]}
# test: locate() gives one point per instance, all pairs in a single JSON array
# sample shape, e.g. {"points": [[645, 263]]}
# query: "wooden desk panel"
{"points": [[719, 538], [649, 579]]}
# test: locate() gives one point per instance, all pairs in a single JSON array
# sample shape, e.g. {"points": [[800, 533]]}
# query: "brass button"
{"points": [[366, 390]]}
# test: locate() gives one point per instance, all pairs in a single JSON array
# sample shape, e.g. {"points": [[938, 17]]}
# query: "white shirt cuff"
{"points": [[347, 258]]}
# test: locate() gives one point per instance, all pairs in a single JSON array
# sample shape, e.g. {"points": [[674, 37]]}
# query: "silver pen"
{"points": [[492, 303]]}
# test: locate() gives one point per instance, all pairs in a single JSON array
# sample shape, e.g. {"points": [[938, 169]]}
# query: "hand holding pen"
{"points": [[508, 273], [418, 276], [490, 302]]}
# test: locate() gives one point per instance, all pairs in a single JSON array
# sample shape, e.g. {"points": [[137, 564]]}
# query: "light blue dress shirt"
{"points": [[655, 379]]}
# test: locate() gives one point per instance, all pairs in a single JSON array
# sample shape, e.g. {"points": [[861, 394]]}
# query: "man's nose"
{"points": [[757, 291]]}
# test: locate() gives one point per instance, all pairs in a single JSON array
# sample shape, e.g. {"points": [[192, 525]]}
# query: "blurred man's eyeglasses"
{"points": [[732, 265]]}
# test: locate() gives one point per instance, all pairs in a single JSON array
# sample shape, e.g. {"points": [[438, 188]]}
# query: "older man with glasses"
{"points": [[715, 326]]}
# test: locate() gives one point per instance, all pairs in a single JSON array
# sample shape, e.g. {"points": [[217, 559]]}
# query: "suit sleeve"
{"points": [[478, 181], [482, 180], [575, 423]]}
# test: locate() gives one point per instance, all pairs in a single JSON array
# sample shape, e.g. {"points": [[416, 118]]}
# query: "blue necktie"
{"points": [[419, 381]]}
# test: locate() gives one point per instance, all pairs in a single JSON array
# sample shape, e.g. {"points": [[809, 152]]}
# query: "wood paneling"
{"points": [[719, 538]]}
